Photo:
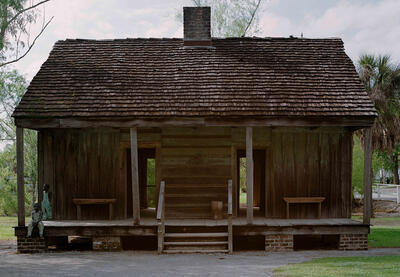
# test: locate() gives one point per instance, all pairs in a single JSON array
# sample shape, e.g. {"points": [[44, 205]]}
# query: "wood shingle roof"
{"points": [[139, 78]]}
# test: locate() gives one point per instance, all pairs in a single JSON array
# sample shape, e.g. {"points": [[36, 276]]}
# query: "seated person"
{"points": [[36, 221]]}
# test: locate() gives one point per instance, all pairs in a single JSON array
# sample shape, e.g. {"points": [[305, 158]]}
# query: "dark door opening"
{"points": [[147, 185], [258, 182]]}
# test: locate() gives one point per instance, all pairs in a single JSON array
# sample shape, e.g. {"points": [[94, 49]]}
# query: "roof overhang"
{"points": [[79, 122]]}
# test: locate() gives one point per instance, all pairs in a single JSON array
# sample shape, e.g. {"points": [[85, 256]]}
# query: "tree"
{"points": [[358, 166], [12, 87], [232, 18], [382, 81], [17, 16]]}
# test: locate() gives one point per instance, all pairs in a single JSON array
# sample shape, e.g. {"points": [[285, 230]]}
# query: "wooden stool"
{"points": [[216, 209]]}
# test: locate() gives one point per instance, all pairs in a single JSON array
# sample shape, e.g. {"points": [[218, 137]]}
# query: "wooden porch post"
{"points": [[135, 177], [367, 211], [20, 176], [249, 173]]}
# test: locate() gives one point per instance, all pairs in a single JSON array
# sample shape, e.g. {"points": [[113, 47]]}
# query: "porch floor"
{"points": [[258, 221], [148, 227]]}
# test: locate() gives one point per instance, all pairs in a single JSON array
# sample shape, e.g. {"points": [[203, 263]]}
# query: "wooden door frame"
{"points": [[124, 146], [235, 174]]}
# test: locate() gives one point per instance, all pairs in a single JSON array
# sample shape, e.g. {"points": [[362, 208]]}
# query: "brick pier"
{"points": [[275, 243], [31, 245], [353, 242]]}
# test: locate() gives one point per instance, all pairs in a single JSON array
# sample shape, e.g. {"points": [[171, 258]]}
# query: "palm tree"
{"points": [[382, 82]]}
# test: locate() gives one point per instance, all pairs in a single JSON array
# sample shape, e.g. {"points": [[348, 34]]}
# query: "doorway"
{"points": [[147, 185], [258, 182]]}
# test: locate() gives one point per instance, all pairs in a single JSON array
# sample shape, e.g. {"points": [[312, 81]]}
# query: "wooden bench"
{"points": [[90, 201], [304, 200]]}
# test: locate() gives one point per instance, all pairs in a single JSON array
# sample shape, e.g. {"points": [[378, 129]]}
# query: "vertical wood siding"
{"points": [[196, 164], [306, 164], [82, 164]]}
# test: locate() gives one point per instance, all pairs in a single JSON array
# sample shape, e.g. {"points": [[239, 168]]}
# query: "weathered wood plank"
{"points": [[268, 179], [367, 212], [186, 171], [215, 152], [158, 170], [190, 122], [249, 173], [40, 162], [235, 186], [20, 177], [195, 131], [325, 180], [135, 177], [195, 161]]}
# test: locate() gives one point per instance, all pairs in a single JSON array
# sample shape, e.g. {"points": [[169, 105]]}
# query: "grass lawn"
{"points": [[6, 224], [385, 231], [350, 266], [388, 236]]}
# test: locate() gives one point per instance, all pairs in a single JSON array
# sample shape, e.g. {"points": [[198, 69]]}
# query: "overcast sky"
{"points": [[366, 26]]}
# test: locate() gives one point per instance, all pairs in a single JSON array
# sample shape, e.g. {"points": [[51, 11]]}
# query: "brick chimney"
{"points": [[197, 26]]}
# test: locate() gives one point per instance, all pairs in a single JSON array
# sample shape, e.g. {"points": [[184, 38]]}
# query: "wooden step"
{"points": [[190, 251], [196, 247], [171, 228], [196, 243], [195, 235], [198, 239]]}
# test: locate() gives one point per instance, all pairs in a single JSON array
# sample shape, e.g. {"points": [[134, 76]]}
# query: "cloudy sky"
{"points": [[366, 26]]}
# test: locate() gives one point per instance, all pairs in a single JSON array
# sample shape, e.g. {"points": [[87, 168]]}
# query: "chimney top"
{"points": [[197, 26]]}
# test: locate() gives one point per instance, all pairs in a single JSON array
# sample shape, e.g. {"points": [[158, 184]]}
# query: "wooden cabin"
{"points": [[192, 110]]}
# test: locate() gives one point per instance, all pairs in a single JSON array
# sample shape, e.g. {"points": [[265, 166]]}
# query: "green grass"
{"points": [[349, 266], [243, 198], [388, 236], [385, 231], [377, 220], [6, 224]]}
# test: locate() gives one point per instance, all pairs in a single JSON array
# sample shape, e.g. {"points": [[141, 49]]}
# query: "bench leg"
{"points": [[110, 211], [319, 210], [78, 212], [287, 210]]}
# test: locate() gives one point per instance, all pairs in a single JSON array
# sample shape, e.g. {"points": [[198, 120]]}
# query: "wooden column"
{"points": [[40, 166], [20, 176], [234, 171], [367, 212], [135, 177], [249, 173]]}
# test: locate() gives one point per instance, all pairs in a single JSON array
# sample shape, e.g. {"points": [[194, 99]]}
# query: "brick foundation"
{"points": [[353, 242], [107, 243], [275, 243], [31, 245]]}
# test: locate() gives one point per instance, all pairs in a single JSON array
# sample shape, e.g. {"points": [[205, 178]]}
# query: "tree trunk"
{"points": [[396, 169]]}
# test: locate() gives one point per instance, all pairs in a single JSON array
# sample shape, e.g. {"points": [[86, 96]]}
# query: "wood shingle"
{"points": [[141, 78]]}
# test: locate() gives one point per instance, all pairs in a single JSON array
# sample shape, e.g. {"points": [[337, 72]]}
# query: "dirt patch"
{"points": [[382, 208]]}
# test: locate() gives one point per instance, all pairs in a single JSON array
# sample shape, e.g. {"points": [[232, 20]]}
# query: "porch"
{"points": [[294, 231], [195, 166]]}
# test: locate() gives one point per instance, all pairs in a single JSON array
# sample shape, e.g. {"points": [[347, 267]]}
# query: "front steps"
{"points": [[191, 239]]}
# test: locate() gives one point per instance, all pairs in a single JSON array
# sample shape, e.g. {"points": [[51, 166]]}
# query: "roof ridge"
{"points": [[214, 38]]}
